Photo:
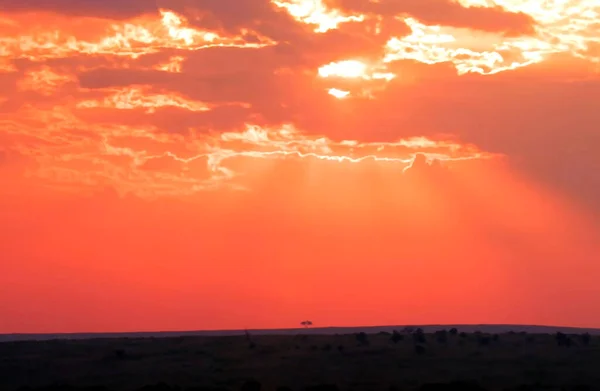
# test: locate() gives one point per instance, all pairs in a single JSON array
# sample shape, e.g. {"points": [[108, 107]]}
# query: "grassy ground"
{"points": [[504, 361]]}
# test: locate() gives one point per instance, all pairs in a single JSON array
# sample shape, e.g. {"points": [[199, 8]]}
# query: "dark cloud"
{"points": [[232, 15], [267, 19], [175, 120], [542, 121], [107, 77], [274, 82], [110, 9], [545, 126], [447, 12]]}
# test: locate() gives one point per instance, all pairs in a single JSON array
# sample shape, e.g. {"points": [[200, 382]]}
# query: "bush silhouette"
{"points": [[585, 339], [563, 339], [419, 336], [396, 337], [362, 338], [485, 340], [441, 336]]}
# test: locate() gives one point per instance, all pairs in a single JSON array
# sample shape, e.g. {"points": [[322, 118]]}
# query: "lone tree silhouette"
{"points": [[306, 323]]}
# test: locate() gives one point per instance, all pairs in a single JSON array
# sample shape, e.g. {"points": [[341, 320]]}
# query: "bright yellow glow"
{"points": [[561, 26], [346, 69], [316, 13], [351, 69], [338, 93], [354, 69], [436, 44]]}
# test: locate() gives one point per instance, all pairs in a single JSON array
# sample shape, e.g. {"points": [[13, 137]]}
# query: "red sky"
{"points": [[192, 164]]}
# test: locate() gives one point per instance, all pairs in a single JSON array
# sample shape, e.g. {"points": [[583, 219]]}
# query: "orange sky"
{"points": [[188, 164]]}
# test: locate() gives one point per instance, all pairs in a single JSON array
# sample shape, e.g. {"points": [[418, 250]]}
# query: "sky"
{"points": [[203, 164]]}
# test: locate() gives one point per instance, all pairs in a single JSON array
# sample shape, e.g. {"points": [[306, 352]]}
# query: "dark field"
{"points": [[400, 361]]}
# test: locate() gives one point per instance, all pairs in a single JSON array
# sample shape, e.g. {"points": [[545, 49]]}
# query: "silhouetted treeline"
{"points": [[407, 359]]}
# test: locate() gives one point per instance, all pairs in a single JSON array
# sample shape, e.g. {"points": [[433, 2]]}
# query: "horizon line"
{"points": [[312, 329]]}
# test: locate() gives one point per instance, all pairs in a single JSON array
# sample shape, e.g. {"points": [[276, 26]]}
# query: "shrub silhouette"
{"points": [[396, 337], [585, 339], [563, 339], [485, 340], [419, 336], [251, 344], [441, 336], [453, 331], [362, 338]]}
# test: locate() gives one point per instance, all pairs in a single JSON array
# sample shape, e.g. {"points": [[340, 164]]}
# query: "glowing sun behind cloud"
{"points": [[315, 12], [338, 93], [348, 68]]}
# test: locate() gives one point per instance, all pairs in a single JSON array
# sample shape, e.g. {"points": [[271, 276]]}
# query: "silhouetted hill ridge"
{"points": [[487, 328]]}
